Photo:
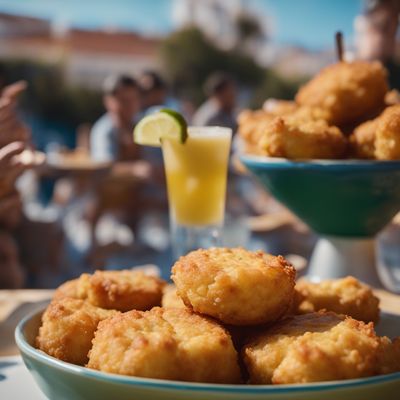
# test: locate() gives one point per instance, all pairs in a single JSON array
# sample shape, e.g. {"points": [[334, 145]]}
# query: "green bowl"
{"points": [[63, 381], [347, 198]]}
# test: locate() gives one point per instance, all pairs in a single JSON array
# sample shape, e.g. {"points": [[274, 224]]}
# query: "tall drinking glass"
{"points": [[196, 174]]}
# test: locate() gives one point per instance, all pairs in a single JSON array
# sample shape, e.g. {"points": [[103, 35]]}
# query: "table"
{"points": [[14, 305]]}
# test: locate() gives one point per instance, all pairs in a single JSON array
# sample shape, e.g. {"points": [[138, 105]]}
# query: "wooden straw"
{"points": [[339, 45]]}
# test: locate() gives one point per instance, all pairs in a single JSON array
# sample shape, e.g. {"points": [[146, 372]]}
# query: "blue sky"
{"points": [[310, 23]]}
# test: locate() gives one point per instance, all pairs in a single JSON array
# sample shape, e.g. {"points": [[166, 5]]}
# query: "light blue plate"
{"points": [[63, 381]]}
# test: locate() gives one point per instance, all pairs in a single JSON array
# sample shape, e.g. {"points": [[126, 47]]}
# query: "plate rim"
{"points": [[279, 162]]}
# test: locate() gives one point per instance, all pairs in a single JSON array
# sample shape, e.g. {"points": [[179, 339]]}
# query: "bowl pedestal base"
{"points": [[337, 257]]}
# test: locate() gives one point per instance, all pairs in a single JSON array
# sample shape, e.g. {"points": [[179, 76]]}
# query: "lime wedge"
{"points": [[164, 124]]}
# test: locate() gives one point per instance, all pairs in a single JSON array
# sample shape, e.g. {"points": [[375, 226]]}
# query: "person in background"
{"points": [[154, 92], [219, 109], [111, 135], [376, 32], [13, 139], [124, 193]]}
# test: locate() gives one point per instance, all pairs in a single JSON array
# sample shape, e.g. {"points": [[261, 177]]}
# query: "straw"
{"points": [[339, 45]]}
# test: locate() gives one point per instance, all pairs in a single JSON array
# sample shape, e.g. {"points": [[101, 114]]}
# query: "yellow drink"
{"points": [[196, 175]]}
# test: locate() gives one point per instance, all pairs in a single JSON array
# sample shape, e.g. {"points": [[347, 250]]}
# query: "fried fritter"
{"points": [[387, 142], [296, 138], [362, 140], [124, 290], [346, 296], [251, 125], [347, 91], [115, 290], [392, 98], [171, 299], [67, 289], [389, 356], [279, 107], [307, 113], [68, 327], [313, 347], [165, 344], [236, 286]]}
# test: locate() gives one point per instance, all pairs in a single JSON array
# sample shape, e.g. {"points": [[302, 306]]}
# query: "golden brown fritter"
{"points": [[279, 108], [254, 125], [115, 290], [347, 91], [165, 344], [346, 296], [389, 356], [68, 327], [171, 299], [296, 138], [251, 125], [307, 113], [313, 347], [124, 290], [362, 140], [392, 98], [67, 289], [236, 286], [387, 142]]}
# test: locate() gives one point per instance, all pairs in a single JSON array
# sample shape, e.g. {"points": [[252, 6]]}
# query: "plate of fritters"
{"points": [[233, 325], [347, 111]]}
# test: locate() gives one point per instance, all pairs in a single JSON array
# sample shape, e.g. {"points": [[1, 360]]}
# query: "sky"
{"points": [[309, 23]]}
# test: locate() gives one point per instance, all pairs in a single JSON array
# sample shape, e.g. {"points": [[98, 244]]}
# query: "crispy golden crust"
{"points": [[389, 356], [121, 290], [298, 138], [251, 125], [166, 344], [392, 98], [67, 289], [346, 296], [279, 107], [312, 348], [362, 140], [387, 143], [236, 286], [307, 113], [68, 327], [171, 299], [347, 91], [366, 142]]}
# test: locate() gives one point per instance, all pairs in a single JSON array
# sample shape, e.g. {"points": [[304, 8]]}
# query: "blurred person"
{"points": [[154, 91], [10, 167], [11, 128], [111, 136], [376, 31], [219, 109], [11, 272], [13, 137], [132, 185], [155, 94]]}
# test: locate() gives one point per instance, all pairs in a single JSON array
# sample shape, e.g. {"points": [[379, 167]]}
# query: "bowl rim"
{"points": [[152, 383], [279, 162]]}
